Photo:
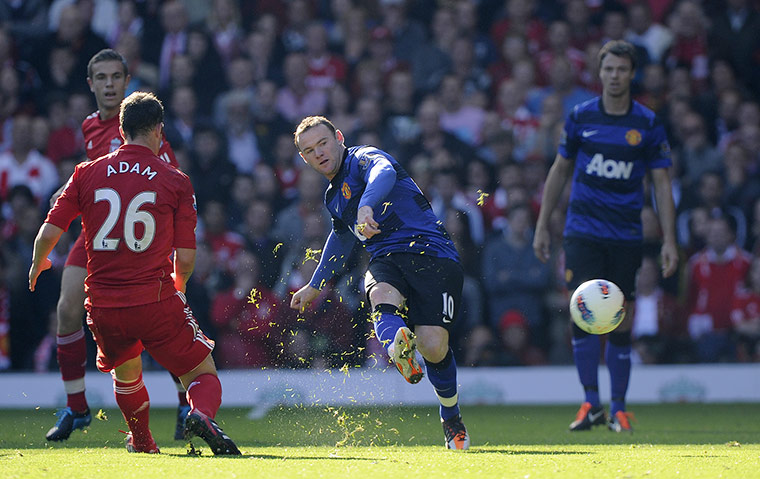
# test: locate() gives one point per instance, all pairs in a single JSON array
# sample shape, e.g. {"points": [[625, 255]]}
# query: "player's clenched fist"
{"points": [[303, 297]]}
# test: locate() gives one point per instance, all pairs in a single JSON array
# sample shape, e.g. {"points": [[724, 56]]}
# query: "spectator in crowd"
{"points": [[297, 99], [181, 122], [745, 315], [689, 24], [516, 279], [224, 23], [242, 142], [734, 36], [289, 223], [696, 154], [582, 30], [562, 83], [209, 73], [645, 32], [23, 165], [174, 23], [657, 329], [714, 275], [408, 34], [710, 196], [433, 138], [325, 69], [431, 60], [210, 169], [268, 123], [448, 196], [245, 317], [463, 119], [515, 333], [257, 233], [214, 231]]}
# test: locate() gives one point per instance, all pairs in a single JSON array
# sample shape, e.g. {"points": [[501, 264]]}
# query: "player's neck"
{"points": [[616, 105], [143, 141], [107, 114]]}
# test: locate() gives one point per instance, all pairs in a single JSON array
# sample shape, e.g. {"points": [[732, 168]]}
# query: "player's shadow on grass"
{"points": [[272, 456], [526, 452]]}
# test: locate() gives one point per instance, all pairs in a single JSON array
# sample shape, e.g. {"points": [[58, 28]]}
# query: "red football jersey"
{"points": [[103, 137], [135, 209]]}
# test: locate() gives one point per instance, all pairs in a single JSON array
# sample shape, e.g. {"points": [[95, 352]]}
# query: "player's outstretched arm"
{"points": [[47, 238], [555, 182]]}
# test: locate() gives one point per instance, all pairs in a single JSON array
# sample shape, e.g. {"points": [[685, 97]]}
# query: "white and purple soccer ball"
{"points": [[597, 306]]}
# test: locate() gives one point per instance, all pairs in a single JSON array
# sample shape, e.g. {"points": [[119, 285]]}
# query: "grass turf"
{"points": [[670, 440]]}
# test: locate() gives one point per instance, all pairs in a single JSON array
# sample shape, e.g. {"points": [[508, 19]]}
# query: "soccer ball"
{"points": [[597, 306]]}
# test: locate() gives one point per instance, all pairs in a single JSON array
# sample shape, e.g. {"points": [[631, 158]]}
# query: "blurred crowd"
{"points": [[469, 96]]}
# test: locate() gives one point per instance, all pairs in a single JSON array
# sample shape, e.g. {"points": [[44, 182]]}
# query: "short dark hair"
{"points": [[107, 55], [311, 122], [139, 113], [619, 48]]}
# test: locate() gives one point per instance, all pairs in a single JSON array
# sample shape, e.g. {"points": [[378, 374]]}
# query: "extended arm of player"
{"points": [[337, 248], [555, 182], [47, 238], [667, 212]]}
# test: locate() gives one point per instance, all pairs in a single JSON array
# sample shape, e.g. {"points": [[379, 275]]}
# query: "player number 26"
{"points": [[132, 215]]}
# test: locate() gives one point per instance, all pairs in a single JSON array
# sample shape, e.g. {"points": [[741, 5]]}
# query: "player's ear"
{"points": [[126, 80], [89, 83], [339, 136], [121, 132]]}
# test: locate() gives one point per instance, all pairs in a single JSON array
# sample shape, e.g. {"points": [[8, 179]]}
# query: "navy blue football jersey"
{"points": [[612, 155], [407, 222]]}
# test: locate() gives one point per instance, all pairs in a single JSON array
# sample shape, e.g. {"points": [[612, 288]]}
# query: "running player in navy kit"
{"points": [[414, 266], [608, 145]]}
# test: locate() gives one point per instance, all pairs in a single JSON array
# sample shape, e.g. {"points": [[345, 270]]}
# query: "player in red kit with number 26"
{"points": [[108, 77], [135, 210]]}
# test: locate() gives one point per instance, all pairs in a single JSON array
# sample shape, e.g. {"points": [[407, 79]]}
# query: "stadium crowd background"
{"points": [[469, 95]]}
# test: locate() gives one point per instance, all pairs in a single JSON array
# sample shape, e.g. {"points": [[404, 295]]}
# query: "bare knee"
{"points": [[129, 371], [432, 342]]}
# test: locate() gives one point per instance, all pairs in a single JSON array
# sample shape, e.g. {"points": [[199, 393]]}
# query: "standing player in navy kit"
{"points": [[413, 265], [608, 145], [108, 77]]}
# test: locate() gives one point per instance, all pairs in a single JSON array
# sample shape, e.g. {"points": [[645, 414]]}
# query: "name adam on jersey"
{"points": [[616, 170], [125, 167]]}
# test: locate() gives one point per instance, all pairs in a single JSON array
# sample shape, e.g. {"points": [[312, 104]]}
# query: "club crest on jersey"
{"points": [[115, 144], [346, 190], [633, 137]]}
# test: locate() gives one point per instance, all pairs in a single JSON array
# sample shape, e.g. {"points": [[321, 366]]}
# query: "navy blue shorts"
{"points": [[432, 286], [587, 259]]}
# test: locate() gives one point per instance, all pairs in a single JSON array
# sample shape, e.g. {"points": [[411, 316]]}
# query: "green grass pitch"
{"points": [[669, 441]]}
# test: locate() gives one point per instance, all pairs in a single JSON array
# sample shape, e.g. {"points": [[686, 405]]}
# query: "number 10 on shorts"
{"points": [[448, 307]]}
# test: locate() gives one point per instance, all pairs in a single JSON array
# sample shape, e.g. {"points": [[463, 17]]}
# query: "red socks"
{"points": [[205, 394], [134, 403], [72, 356]]}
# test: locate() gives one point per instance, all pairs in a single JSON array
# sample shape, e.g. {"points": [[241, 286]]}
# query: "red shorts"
{"points": [[167, 330], [78, 254]]}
